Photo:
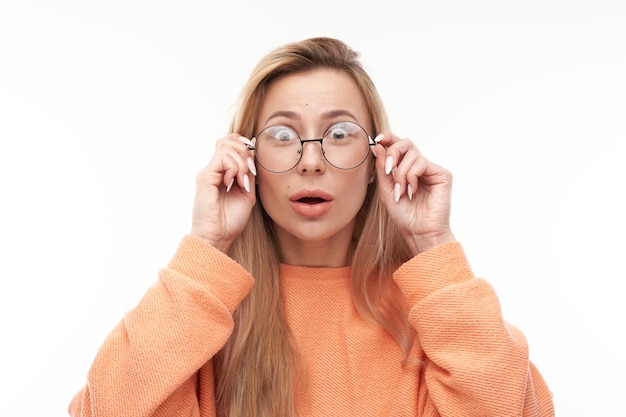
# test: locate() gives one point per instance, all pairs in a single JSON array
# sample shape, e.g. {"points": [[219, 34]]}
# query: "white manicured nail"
{"points": [[396, 192], [232, 181], [251, 166], [379, 138], [246, 140], [246, 183], [409, 190], [388, 164]]}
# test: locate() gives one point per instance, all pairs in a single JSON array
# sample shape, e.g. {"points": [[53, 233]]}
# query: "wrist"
{"points": [[218, 244], [422, 243]]}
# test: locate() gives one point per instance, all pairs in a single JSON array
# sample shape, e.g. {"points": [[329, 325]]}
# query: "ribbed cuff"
{"points": [[198, 260], [433, 270]]}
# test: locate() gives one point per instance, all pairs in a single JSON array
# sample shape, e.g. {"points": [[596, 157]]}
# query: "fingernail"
{"points": [[388, 164], [379, 137], [232, 181], [246, 183], [396, 192], [374, 151], [409, 190], [246, 140], [251, 166]]}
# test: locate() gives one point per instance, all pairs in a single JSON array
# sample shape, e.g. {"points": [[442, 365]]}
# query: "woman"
{"points": [[320, 276]]}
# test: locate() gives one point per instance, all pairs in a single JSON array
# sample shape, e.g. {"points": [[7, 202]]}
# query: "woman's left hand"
{"points": [[416, 193]]}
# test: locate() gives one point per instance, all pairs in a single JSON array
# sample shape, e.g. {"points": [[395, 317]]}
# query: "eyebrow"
{"points": [[331, 114]]}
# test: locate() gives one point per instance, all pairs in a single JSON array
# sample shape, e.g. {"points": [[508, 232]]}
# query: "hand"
{"points": [[224, 193], [416, 193]]}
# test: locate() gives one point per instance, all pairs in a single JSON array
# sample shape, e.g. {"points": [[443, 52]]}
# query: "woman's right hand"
{"points": [[224, 193]]}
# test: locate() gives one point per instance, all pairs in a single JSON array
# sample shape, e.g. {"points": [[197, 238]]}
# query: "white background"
{"points": [[108, 111]]}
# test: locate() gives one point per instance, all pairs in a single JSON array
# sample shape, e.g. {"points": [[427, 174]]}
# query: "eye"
{"points": [[282, 133], [341, 130]]}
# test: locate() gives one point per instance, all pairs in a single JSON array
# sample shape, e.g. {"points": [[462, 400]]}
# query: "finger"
{"points": [[220, 171], [236, 170], [387, 139], [423, 173], [401, 156], [396, 152], [413, 174], [235, 161], [249, 155], [406, 174], [433, 174]]}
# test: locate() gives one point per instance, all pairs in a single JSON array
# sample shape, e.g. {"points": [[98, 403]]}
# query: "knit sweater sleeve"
{"points": [[474, 362], [148, 363]]}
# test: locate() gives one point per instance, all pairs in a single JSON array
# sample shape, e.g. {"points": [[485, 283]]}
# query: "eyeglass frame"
{"points": [[370, 142]]}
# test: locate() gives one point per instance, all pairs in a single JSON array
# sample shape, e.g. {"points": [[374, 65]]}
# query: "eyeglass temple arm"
{"points": [[253, 146]]}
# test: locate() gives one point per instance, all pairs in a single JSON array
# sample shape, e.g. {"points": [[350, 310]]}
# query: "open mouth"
{"points": [[311, 203], [311, 200]]}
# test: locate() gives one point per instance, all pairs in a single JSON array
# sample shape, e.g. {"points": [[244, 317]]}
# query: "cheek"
{"points": [[368, 172], [269, 191], [357, 185], [264, 187]]}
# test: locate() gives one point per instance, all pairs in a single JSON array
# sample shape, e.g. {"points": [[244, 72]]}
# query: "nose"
{"points": [[312, 160]]}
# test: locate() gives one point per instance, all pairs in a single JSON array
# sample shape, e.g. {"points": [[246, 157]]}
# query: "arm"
{"points": [[475, 363], [151, 357], [149, 363]]}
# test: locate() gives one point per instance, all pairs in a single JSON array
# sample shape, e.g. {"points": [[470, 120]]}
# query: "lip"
{"points": [[310, 209]]}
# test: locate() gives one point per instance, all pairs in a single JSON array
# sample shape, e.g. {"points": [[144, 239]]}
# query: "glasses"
{"points": [[278, 148]]}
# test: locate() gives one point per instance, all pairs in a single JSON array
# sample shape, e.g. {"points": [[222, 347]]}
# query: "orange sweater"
{"points": [[157, 361]]}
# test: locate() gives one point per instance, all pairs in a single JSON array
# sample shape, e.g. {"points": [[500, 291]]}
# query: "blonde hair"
{"points": [[257, 371]]}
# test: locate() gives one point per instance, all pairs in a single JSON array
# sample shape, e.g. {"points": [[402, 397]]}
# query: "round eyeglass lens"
{"points": [[345, 145]]}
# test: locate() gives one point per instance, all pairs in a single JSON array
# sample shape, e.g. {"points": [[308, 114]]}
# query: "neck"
{"points": [[330, 253]]}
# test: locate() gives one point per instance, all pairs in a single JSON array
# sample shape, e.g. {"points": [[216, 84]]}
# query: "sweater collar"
{"points": [[315, 273]]}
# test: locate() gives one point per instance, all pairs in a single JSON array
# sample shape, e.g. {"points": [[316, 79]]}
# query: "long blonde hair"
{"points": [[257, 371]]}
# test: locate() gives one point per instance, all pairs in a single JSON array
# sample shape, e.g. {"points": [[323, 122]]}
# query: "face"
{"points": [[314, 204]]}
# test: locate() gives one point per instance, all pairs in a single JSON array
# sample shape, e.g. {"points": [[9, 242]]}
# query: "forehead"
{"points": [[310, 94]]}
